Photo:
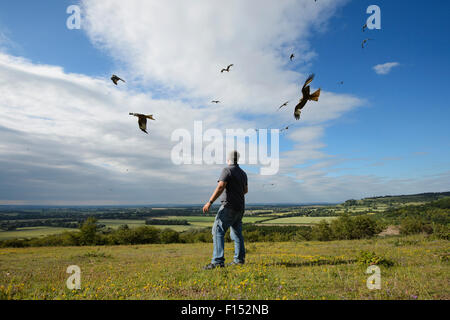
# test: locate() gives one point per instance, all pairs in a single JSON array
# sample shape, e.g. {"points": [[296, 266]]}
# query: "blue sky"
{"points": [[39, 33], [402, 116], [399, 130]]}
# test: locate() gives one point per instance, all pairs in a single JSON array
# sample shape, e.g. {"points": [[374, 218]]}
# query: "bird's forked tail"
{"points": [[315, 96]]}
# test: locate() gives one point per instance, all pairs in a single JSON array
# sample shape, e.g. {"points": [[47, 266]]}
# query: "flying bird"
{"points": [[269, 184], [116, 79], [341, 82], [292, 57], [287, 127], [143, 120], [227, 69], [364, 27], [306, 97], [283, 105], [365, 41], [215, 101]]}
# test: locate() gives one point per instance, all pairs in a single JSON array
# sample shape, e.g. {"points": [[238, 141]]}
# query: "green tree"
{"points": [[89, 231], [342, 228], [322, 231], [364, 227]]}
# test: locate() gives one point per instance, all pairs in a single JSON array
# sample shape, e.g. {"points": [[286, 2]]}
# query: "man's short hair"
{"points": [[234, 156]]}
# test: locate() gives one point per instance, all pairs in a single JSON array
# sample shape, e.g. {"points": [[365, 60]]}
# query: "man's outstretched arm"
{"points": [[219, 189]]}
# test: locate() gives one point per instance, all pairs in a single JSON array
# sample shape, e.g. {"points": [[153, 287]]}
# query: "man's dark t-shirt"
{"points": [[233, 195]]}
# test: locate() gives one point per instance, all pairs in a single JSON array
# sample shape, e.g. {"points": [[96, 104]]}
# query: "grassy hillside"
{"points": [[413, 198], [291, 270]]}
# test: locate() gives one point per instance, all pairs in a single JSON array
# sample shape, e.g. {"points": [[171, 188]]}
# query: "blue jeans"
{"points": [[228, 218]]}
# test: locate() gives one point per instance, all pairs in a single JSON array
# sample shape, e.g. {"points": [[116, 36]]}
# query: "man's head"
{"points": [[233, 157]]}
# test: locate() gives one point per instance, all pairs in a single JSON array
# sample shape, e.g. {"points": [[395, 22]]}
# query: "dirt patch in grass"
{"points": [[390, 231]]}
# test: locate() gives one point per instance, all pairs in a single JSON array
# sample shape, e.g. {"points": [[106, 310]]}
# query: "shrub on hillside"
{"points": [[443, 203], [412, 225], [169, 236], [322, 231], [365, 227], [441, 231], [346, 228], [368, 258]]}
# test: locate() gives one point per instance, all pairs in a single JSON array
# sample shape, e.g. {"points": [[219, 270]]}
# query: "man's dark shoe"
{"points": [[213, 266], [234, 263]]}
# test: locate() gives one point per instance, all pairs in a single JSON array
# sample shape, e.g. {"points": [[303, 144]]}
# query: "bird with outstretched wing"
{"points": [[116, 79], [227, 69], [143, 120], [283, 105], [307, 96]]}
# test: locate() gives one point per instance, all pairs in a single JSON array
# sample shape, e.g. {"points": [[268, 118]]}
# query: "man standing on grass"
{"points": [[232, 186]]}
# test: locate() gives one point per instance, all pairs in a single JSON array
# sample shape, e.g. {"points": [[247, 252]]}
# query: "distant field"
{"points": [[32, 232], [259, 211], [202, 220], [113, 223], [195, 222], [299, 220]]}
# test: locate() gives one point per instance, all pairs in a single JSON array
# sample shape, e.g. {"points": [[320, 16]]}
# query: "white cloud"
{"points": [[385, 68], [182, 45]]}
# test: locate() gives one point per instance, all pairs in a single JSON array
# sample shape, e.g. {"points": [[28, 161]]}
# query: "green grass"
{"points": [[298, 220], [32, 232], [303, 270]]}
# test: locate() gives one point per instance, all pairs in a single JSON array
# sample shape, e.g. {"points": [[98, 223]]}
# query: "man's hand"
{"points": [[219, 189], [206, 207]]}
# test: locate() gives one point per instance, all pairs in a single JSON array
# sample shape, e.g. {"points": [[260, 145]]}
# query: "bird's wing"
{"points": [[143, 123], [309, 80], [150, 116]]}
